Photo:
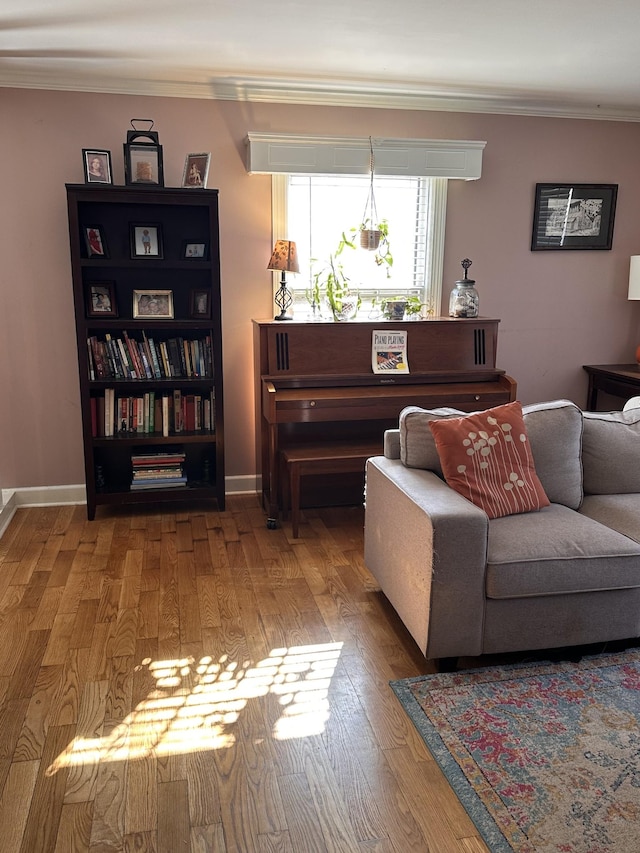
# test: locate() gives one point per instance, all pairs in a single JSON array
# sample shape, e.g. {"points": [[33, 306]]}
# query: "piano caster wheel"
{"points": [[272, 523]]}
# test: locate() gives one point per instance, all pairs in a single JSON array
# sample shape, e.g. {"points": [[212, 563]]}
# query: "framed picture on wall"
{"points": [[573, 216]]}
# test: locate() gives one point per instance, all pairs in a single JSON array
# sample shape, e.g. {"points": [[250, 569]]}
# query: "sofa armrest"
{"points": [[392, 443], [427, 547]]}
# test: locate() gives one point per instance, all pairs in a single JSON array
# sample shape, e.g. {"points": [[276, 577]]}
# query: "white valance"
{"points": [[274, 153]]}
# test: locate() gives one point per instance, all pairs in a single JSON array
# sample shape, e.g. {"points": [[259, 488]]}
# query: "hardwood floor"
{"points": [[195, 682]]}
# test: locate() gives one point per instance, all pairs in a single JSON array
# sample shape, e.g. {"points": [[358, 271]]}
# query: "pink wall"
{"points": [[559, 310]]}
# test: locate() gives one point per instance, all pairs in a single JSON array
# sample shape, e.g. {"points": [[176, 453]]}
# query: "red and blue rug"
{"points": [[545, 757]]}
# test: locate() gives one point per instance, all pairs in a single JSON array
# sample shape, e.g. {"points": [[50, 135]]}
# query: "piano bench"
{"points": [[329, 458]]}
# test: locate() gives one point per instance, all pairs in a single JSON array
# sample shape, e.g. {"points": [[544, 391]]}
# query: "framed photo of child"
{"points": [[200, 304], [194, 250], [101, 300], [146, 240], [95, 242], [153, 304], [196, 171]]}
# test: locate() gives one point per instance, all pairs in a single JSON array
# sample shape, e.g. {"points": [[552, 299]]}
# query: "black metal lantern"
{"points": [[143, 156]]}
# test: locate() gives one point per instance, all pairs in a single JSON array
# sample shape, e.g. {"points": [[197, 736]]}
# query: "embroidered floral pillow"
{"points": [[486, 457]]}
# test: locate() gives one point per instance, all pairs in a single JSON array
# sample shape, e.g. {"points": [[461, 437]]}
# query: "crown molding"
{"points": [[335, 94], [328, 93]]}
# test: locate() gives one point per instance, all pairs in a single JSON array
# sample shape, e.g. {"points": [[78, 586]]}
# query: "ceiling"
{"points": [[548, 57]]}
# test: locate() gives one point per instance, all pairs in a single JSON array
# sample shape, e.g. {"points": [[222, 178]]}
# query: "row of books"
{"points": [[157, 470], [127, 358], [165, 413]]}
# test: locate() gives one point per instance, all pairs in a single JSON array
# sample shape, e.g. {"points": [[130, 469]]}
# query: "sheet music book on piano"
{"points": [[389, 351]]}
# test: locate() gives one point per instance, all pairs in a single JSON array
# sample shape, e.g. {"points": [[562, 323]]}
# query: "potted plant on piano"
{"points": [[331, 285]]}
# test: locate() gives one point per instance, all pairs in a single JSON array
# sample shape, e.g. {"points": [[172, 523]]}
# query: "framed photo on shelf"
{"points": [[97, 166], [143, 164], [200, 304], [196, 171], [192, 250], [153, 304], [101, 299], [95, 243], [146, 241], [573, 216]]}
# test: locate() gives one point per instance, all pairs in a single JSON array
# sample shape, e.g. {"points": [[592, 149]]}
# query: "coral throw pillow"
{"points": [[486, 457]]}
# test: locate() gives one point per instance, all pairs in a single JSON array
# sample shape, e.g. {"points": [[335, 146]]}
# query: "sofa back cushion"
{"points": [[555, 435], [611, 452], [417, 445]]}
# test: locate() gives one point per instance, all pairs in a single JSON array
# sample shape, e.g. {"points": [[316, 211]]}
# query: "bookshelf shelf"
{"points": [[148, 385], [200, 437]]}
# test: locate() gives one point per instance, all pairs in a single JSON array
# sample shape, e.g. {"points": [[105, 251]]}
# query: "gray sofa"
{"points": [[465, 585]]}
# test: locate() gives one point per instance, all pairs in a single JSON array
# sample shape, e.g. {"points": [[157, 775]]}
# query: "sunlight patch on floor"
{"points": [[195, 705]]}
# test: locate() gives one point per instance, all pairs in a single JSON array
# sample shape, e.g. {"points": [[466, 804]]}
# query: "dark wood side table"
{"points": [[619, 380]]}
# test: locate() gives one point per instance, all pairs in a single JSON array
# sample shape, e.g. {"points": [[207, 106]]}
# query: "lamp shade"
{"points": [[284, 257], [634, 277]]}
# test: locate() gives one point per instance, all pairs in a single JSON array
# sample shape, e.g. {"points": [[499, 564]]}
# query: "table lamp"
{"points": [[634, 286], [284, 258]]}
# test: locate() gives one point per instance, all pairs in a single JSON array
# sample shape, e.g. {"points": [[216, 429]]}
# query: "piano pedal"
{"points": [[272, 523]]}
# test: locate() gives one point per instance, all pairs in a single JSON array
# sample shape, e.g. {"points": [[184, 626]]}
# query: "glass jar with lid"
{"points": [[464, 300]]}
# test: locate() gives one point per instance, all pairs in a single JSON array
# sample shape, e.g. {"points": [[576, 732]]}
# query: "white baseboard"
{"points": [[7, 510], [47, 495], [243, 484], [246, 484]]}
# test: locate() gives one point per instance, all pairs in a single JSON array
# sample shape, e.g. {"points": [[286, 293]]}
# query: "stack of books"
{"points": [[127, 358], [157, 470]]}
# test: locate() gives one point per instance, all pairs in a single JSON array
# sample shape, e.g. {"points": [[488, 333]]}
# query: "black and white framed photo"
{"points": [[153, 304], [97, 166], [95, 242], [195, 250], [200, 304], [573, 216], [146, 240], [101, 299], [196, 171]]}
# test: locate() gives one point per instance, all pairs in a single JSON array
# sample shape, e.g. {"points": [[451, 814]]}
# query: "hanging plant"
{"points": [[374, 232]]}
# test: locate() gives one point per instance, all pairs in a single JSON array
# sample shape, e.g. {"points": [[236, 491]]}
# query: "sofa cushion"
{"points": [[611, 452], [486, 457], [619, 512], [417, 444], [557, 551], [555, 436]]}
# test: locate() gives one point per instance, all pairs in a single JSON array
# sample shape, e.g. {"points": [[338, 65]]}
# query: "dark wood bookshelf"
{"points": [[181, 216]]}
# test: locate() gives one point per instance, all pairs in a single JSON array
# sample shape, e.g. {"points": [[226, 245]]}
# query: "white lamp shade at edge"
{"points": [[634, 277]]}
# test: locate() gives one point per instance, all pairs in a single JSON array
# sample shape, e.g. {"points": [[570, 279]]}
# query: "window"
{"points": [[314, 211], [418, 169]]}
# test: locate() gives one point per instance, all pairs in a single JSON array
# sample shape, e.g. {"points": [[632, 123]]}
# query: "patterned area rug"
{"points": [[544, 757]]}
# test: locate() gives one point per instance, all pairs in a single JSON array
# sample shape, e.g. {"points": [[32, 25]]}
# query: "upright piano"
{"points": [[315, 383]]}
